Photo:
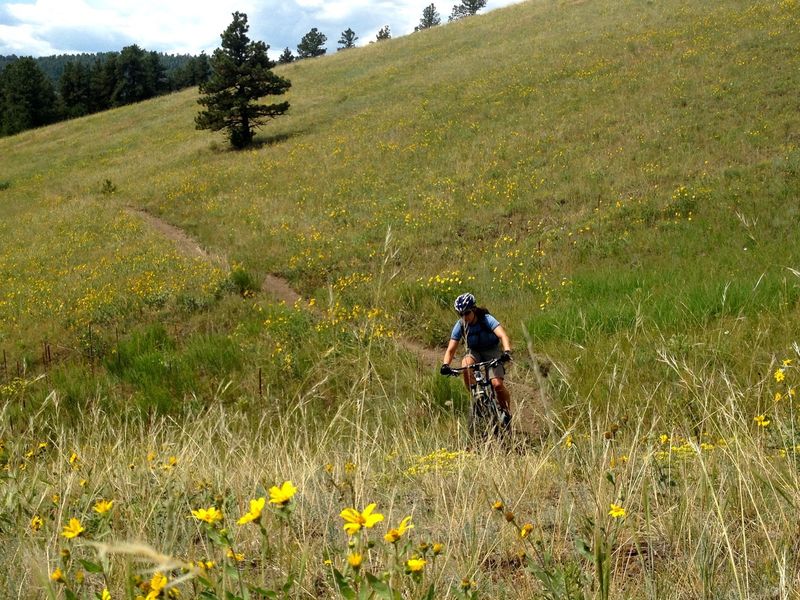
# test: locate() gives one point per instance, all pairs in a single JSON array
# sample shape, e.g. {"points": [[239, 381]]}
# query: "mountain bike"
{"points": [[486, 416]]}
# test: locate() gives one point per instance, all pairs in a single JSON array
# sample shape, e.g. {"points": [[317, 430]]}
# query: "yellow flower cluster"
{"points": [[441, 460]]}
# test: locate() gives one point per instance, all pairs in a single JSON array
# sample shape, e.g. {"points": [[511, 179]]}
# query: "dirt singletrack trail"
{"points": [[527, 401], [185, 243]]}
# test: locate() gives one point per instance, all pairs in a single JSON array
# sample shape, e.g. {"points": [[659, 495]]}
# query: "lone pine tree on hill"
{"points": [[312, 44], [430, 18], [286, 57], [348, 39], [241, 75], [466, 8]]}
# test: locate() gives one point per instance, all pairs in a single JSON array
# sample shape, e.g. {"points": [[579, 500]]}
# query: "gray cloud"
{"points": [[89, 40]]}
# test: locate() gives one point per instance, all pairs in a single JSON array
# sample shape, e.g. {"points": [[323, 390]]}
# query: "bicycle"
{"points": [[486, 416]]}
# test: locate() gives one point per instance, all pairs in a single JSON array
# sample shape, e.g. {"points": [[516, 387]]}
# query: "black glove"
{"points": [[446, 370], [506, 356]]}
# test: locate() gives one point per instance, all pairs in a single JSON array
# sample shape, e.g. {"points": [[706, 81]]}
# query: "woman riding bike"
{"points": [[483, 336]]}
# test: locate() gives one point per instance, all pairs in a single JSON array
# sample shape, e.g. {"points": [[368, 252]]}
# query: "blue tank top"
{"points": [[480, 335]]}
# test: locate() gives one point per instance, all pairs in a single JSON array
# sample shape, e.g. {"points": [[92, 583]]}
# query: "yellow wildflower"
{"points": [[498, 505], [103, 506], [209, 515], [36, 523], [282, 495], [73, 529], [57, 575], [415, 565], [105, 595], [395, 534], [526, 530], [237, 556], [354, 560], [355, 520], [787, 361], [256, 507], [157, 585], [779, 375], [617, 511], [761, 420], [437, 548]]}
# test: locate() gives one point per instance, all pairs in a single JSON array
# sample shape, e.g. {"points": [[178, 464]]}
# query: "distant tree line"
{"points": [[36, 92]]}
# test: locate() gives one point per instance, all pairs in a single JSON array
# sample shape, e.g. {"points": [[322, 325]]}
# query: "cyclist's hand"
{"points": [[446, 370], [506, 356]]}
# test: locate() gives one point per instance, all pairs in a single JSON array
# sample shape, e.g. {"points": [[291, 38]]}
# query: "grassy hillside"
{"points": [[619, 181]]}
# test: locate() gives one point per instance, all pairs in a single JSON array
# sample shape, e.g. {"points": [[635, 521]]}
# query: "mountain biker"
{"points": [[483, 336]]}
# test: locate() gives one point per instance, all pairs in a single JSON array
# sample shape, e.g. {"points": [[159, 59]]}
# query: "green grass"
{"points": [[618, 181]]}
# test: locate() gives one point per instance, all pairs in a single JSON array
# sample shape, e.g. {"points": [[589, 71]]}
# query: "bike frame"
{"points": [[486, 415]]}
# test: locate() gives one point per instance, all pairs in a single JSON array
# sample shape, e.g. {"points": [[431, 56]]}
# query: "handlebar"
{"points": [[476, 366]]}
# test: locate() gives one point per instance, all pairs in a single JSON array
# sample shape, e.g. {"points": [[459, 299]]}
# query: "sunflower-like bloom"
{"points": [[617, 512], [73, 529], [281, 495], [103, 506], [256, 506], [415, 565], [209, 515], [525, 530], [354, 560], [355, 520], [157, 585], [396, 533]]}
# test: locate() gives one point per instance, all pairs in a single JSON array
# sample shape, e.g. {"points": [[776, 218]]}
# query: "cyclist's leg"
{"points": [[469, 359], [503, 395]]}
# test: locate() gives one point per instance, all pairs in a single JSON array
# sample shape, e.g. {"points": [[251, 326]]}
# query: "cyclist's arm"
{"points": [[501, 333], [452, 346]]}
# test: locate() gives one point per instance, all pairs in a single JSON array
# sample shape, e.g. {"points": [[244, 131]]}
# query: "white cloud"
{"points": [[40, 27]]}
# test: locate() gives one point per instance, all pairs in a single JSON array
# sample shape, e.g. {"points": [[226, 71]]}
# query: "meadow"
{"points": [[619, 182]]}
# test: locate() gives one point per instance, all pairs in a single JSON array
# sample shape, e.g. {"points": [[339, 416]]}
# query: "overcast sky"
{"points": [[45, 27]]}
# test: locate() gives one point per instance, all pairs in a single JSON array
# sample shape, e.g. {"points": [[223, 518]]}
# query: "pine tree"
{"points": [[312, 44], [241, 75], [348, 39], [103, 82], [27, 98], [75, 89], [430, 18], [132, 81], [286, 57], [466, 8], [383, 34], [201, 69]]}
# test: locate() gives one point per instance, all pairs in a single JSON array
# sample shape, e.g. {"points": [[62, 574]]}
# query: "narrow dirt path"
{"points": [[528, 402], [280, 289], [185, 243]]}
